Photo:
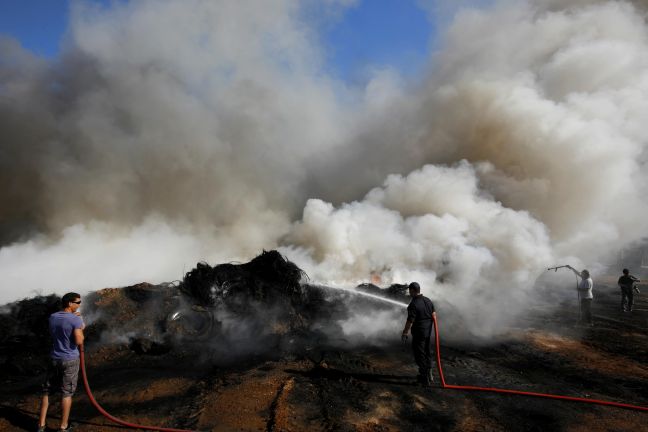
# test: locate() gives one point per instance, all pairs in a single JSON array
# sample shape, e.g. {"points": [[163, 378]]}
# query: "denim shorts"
{"points": [[62, 377]]}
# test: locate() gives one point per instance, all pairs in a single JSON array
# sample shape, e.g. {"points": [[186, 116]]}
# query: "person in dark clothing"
{"points": [[420, 313], [628, 288]]}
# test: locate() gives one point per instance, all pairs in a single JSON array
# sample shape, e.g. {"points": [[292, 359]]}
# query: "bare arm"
{"points": [[408, 326], [78, 336], [576, 272]]}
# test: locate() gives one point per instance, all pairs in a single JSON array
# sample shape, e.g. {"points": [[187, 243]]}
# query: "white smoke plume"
{"points": [[176, 131]]}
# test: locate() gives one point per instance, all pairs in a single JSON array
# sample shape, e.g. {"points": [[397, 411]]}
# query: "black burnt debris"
{"points": [[24, 330], [260, 306], [24, 318], [264, 278], [394, 291], [225, 311], [228, 310]]}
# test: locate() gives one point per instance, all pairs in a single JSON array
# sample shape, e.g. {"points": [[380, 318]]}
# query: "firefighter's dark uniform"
{"points": [[419, 312], [626, 282]]}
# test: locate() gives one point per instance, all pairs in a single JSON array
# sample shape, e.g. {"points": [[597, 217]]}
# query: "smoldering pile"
{"points": [[23, 329], [232, 310], [224, 313], [268, 277]]}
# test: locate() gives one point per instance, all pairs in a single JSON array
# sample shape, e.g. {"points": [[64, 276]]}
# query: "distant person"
{"points": [[66, 329], [628, 288], [584, 288], [420, 314]]}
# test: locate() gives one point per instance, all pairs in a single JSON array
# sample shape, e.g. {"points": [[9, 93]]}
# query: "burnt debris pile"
{"points": [[394, 291], [266, 278], [227, 311], [24, 330]]}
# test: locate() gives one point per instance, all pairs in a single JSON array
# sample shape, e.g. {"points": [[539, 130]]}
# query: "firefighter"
{"points": [[420, 313], [585, 294], [628, 288]]}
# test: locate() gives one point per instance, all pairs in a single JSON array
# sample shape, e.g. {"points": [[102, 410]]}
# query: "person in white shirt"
{"points": [[585, 294]]}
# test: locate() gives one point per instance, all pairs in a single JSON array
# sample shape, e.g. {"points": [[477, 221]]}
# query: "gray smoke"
{"points": [[177, 131]]}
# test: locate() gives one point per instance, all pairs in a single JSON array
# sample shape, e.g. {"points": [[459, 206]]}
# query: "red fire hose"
{"points": [[516, 392], [110, 417], [443, 385]]}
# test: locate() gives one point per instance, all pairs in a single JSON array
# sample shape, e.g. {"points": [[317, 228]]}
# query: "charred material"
{"points": [[24, 327], [148, 347], [394, 291], [29, 317], [221, 311], [260, 279]]}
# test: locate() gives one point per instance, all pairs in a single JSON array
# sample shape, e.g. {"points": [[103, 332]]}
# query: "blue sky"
{"points": [[37, 24], [392, 33], [372, 33]]}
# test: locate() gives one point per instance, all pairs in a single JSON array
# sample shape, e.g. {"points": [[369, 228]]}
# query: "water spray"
{"points": [[365, 294], [444, 385], [372, 296]]}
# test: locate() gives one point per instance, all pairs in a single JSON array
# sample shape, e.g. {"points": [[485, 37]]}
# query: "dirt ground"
{"points": [[365, 388]]}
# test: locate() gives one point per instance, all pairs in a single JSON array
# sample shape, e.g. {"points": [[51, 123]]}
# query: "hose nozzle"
{"points": [[555, 269]]}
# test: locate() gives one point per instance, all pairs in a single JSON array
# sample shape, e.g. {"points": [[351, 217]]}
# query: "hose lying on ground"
{"points": [[106, 414], [516, 392], [439, 368]]}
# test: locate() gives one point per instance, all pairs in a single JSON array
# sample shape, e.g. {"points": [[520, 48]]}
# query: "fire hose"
{"points": [[580, 306], [444, 385], [106, 414]]}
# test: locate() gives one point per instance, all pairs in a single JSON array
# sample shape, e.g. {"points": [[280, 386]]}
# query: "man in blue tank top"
{"points": [[420, 320], [66, 329]]}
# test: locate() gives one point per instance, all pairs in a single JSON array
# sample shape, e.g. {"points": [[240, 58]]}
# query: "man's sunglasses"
{"points": [[79, 302]]}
